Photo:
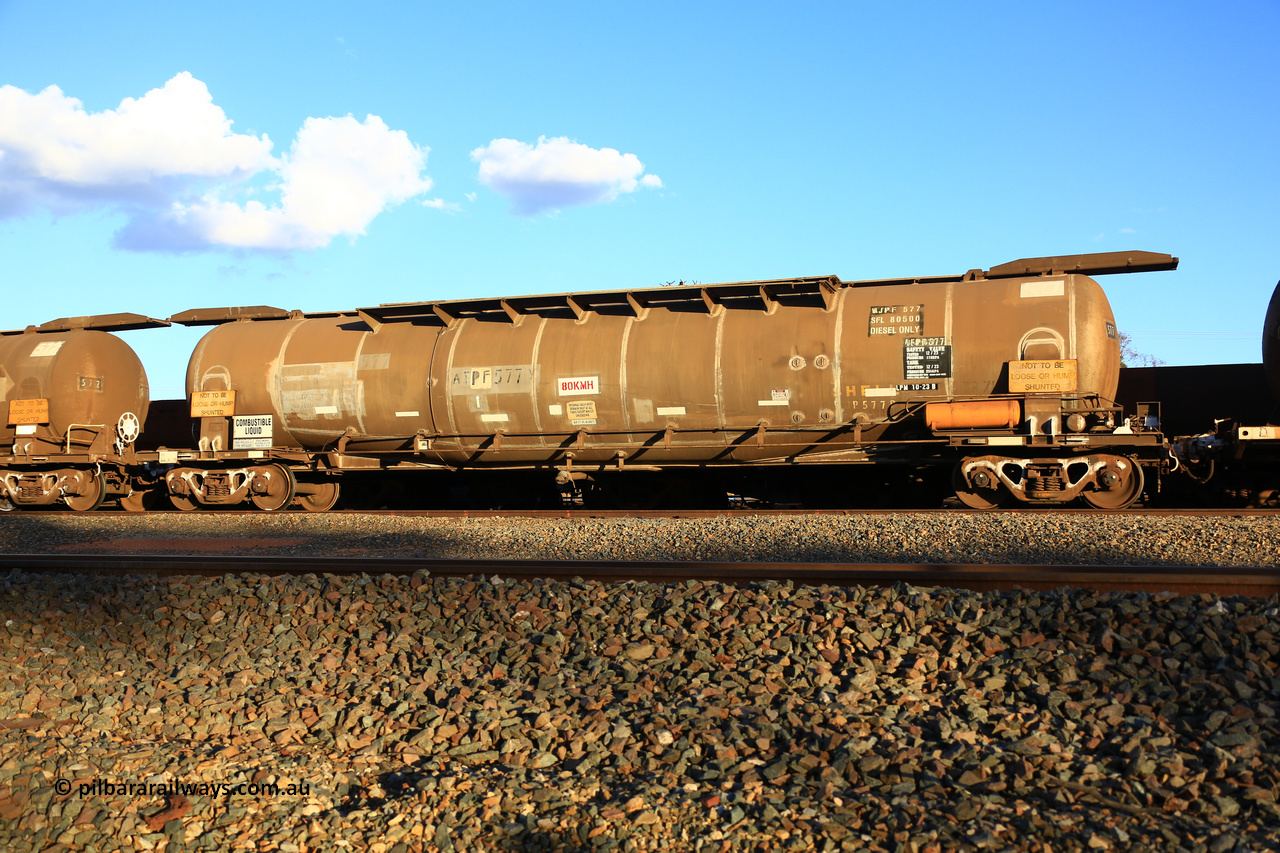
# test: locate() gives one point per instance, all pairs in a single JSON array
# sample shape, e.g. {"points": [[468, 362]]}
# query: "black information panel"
{"points": [[926, 358], [895, 320]]}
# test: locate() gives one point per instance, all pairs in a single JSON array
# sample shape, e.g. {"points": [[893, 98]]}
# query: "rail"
{"points": [[1183, 580]]}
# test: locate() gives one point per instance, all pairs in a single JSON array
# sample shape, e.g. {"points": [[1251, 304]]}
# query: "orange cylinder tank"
{"points": [[973, 414]]}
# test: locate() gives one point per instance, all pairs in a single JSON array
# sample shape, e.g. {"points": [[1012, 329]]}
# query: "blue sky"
{"points": [[549, 147]]}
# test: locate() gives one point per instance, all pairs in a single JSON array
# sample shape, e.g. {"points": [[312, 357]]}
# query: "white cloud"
{"points": [[339, 175], [558, 173], [441, 204], [170, 161], [174, 130]]}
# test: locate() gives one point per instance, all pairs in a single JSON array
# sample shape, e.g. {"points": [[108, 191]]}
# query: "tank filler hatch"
{"points": [[1098, 263], [218, 316], [97, 322]]}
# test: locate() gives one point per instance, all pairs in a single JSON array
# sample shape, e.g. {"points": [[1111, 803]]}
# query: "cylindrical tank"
{"points": [[973, 414], [320, 377], [1271, 343], [714, 376], [668, 383], [89, 378]]}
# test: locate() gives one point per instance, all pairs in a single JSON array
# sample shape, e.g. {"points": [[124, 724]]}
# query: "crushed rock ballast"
{"points": [[420, 713]]}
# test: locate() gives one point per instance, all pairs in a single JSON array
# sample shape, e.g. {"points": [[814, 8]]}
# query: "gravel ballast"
{"points": [[419, 713], [1025, 538]]}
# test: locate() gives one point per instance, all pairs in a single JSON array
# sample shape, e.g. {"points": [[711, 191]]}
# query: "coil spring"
{"points": [[1050, 484], [217, 490]]}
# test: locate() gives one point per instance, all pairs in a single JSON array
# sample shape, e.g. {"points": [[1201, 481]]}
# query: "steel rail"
{"points": [[1189, 512], [1184, 580]]}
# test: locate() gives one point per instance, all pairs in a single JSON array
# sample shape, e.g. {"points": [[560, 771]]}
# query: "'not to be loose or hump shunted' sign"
{"points": [[1030, 377]]}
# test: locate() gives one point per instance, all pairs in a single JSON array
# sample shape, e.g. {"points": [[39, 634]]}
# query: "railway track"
{"points": [[1190, 512], [1253, 582]]}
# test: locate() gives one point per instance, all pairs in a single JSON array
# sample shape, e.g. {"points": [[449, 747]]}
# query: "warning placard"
{"points": [[29, 411], [213, 404], [251, 432], [1029, 377], [575, 385], [581, 412], [926, 358]]}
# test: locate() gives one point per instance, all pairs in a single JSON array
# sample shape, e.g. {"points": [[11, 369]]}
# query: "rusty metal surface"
{"points": [[104, 323], [1099, 263], [100, 322], [217, 316], [762, 370], [809, 290], [321, 377], [1257, 582]]}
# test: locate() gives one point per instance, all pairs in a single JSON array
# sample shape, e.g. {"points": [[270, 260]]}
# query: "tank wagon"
{"points": [[75, 399], [1007, 376], [1271, 344], [1241, 454]]}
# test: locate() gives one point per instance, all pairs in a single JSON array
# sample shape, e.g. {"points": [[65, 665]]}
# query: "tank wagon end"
{"points": [[75, 399], [1240, 456]]}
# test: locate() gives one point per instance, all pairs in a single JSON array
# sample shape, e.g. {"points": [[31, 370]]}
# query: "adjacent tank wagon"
{"points": [[1271, 344], [75, 399], [1240, 457]]}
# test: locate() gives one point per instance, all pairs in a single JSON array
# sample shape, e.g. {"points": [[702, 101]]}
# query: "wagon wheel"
{"points": [[279, 491], [978, 497], [141, 500], [6, 505], [322, 500], [186, 503], [1124, 491], [95, 490]]}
